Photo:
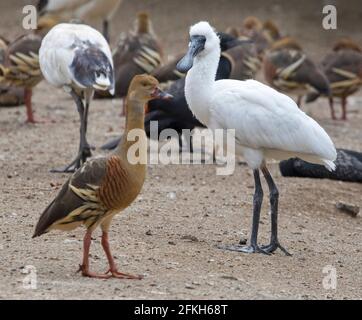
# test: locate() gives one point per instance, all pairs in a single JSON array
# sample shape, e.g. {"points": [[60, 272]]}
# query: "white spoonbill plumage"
{"points": [[77, 58], [267, 123]]}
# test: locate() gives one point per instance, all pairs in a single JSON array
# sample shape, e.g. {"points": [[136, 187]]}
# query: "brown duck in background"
{"points": [[263, 35], [9, 96], [288, 69], [20, 67], [84, 10], [343, 68], [103, 187], [168, 72], [138, 52], [244, 61]]}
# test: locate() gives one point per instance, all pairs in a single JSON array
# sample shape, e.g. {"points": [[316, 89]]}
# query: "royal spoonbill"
{"points": [[77, 58], [267, 124]]}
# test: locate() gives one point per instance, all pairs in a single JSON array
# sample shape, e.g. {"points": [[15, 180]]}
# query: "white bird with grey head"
{"points": [[267, 124], [77, 58]]}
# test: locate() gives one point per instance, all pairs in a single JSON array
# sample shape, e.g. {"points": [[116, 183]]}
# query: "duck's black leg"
{"points": [[257, 202], [274, 198], [84, 148]]}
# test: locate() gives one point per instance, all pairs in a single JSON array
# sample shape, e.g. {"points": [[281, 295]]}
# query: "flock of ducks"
{"points": [[191, 90]]}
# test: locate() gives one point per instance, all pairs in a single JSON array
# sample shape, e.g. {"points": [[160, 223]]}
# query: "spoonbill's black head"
{"points": [[203, 40]]}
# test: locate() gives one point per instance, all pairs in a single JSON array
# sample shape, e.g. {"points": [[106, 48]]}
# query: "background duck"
{"points": [[9, 96], [138, 51], [85, 10], [288, 69], [343, 68], [20, 68], [103, 187], [263, 35]]}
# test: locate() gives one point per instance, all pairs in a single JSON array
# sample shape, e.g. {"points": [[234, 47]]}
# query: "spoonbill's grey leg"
{"points": [[274, 197], [257, 202], [84, 148]]}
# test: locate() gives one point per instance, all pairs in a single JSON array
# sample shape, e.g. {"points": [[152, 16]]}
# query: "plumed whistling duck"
{"points": [[263, 35], [138, 51], [288, 69], [77, 58], [20, 67], [103, 187], [85, 10], [267, 124], [9, 96], [343, 68]]}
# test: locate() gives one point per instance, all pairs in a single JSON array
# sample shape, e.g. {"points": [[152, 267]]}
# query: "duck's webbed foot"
{"points": [[120, 275], [86, 273]]}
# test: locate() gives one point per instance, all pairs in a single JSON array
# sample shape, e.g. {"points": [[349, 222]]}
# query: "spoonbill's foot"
{"points": [[245, 249], [270, 248]]}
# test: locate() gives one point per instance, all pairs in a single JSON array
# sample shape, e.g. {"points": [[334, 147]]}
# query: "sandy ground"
{"points": [[172, 239]]}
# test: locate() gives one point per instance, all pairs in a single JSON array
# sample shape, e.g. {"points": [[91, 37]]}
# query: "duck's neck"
{"points": [[134, 120], [199, 84]]}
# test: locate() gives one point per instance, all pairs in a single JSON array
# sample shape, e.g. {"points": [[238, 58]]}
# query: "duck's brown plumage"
{"points": [[343, 68], [288, 69], [168, 71], [138, 51], [263, 35], [20, 67], [9, 95], [244, 61], [103, 187], [21, 62]]}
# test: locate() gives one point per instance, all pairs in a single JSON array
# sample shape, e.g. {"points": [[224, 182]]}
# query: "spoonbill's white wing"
{"points": [[73, 53], [267, 120]]}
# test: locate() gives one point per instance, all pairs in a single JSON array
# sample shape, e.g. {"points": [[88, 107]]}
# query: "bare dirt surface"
{"points": [[172, 240]]}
